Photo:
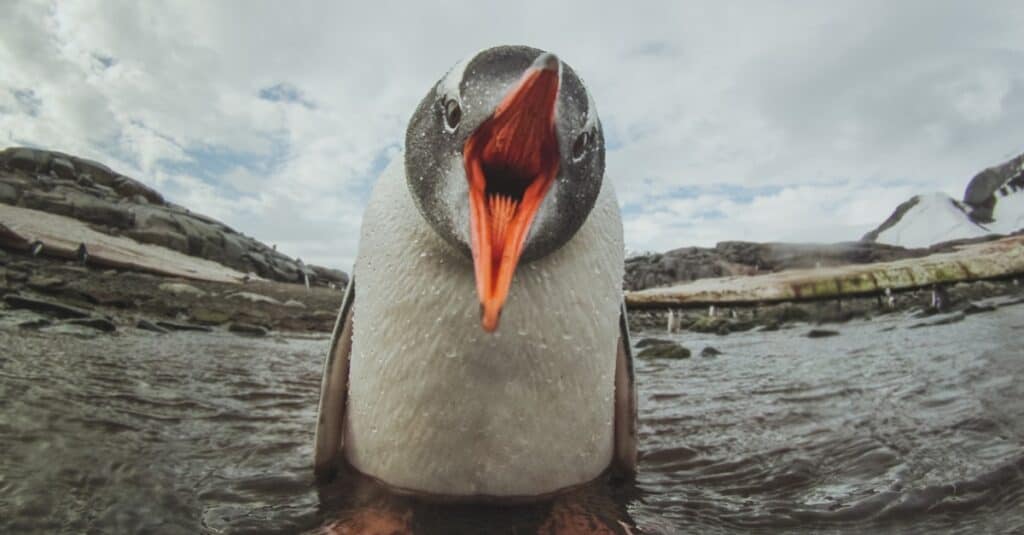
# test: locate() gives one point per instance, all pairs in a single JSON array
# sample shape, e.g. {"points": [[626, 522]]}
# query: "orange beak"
{"points": [[511, 161]]}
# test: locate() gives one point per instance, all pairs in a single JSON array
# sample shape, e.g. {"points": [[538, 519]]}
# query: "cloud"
{"points": [[770, 121]]}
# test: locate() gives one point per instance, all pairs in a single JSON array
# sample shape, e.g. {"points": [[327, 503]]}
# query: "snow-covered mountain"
{"points": [[993, 205], [925, 220]]}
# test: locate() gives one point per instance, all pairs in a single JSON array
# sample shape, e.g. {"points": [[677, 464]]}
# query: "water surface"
{"points": [[882, 428]]}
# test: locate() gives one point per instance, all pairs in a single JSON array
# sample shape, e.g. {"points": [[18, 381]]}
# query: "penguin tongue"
{"points": [[511, 161]]}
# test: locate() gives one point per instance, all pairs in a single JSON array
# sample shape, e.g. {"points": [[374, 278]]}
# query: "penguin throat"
{"points": [[511, 162]]}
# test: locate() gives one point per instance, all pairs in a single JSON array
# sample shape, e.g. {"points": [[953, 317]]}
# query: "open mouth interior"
{"points": [[511, 162]]}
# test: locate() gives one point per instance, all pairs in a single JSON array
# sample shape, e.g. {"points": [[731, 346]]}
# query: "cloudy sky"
{"points": [[797, 121]]}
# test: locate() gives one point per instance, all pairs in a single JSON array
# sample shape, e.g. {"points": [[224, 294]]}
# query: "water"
{"points": [[880, 429]]}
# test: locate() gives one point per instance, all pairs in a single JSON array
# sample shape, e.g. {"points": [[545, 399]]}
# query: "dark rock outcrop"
{"points": [[981, 191], [115, 204], [664, 349], [51, 308], [748, 258]]}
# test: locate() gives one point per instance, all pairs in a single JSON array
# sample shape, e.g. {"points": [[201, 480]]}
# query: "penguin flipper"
{"points": [[330, 420], [625, 456]]}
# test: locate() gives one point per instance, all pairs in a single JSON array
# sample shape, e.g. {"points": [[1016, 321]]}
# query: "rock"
{"points": [[710, 324], [977, 308], [737, 258], [174, 326], [247, 329], [27, 159], [180, 288], [295, 304], [821, 333], [209, 316], [647, 342], [117, 204], [43, 282], [787, 313], [35, 324], [129, 187], [46, 307], [63, 168], [945, 319], [669, 350], [147, 325], [709, 352], [8, 194], [100, 324], [983, 190], [770, 326], [254, 298]]}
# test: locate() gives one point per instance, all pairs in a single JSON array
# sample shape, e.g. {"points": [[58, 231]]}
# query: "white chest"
{"points": [[438, 405]]}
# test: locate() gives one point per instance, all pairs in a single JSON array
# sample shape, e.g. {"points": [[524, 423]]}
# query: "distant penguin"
{"points": [[82, 253], [711, 311], [36, 248], [940, 298], [671, 322]]}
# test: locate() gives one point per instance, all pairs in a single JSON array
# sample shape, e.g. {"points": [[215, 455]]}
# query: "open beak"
{"points": [[511, 161]]}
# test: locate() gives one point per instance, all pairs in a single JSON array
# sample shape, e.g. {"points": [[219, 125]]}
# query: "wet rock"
{"points": [[254, 298], [709, 352], [786, 313], [978, 308], [821, 333], [667, 350], [175, 326], [180, 288], [941, 320], [647, 342], [38, 323], [100, 324], [47, 307], [709, 324], [209, 316], [247, 329], [147, 325], [770, 326]]}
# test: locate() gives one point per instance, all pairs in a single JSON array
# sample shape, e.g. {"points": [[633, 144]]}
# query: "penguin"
{"points": [[36, 248], [481, 353], [82, 254]]}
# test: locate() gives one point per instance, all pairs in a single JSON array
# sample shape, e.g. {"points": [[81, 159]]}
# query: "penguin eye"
{"points": [[452, 114], [580, 145]]}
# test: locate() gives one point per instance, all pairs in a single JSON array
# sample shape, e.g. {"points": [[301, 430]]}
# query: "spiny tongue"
{"points": [[502, 209]]}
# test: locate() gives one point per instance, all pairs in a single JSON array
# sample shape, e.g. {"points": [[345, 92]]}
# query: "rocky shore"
{"points": [[56, 296], [120, 206], [158, 267], [958, 299]]}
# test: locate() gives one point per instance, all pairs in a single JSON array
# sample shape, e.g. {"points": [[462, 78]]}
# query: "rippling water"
{"points": [[882, 428]]}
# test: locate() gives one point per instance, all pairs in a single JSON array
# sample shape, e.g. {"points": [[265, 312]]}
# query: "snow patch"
{"points": [[935, 218], [1008, 214]]}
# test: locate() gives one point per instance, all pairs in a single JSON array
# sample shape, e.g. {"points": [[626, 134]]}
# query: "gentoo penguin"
{"points": [[484, 354], [82, 254]]}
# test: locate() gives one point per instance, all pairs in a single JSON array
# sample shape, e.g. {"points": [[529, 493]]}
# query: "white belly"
{"points": [[438, 405]]}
